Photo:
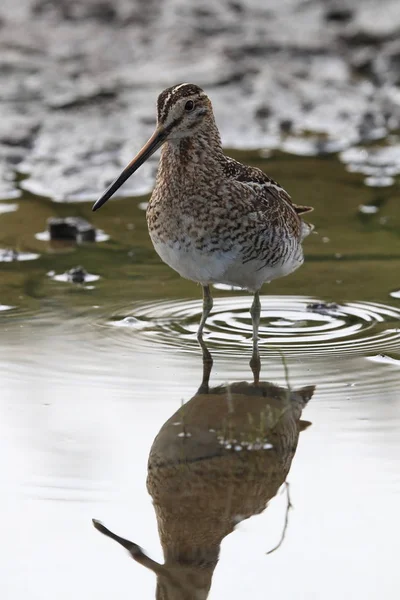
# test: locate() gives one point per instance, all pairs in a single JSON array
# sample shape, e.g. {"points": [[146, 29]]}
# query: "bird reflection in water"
{"points": [[218, 460]]}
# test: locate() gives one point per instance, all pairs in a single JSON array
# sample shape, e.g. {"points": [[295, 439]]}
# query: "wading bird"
{"points": [[211, 218]]}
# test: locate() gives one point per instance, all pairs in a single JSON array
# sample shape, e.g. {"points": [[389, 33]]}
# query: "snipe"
{"points": [[211, 218]]}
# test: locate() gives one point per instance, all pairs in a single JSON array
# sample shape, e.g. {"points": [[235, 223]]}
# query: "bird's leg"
{"points": [[207, 306], [255, 311], [255, 362], [207, 367]]}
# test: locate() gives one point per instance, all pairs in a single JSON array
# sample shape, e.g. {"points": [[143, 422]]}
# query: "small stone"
{"points": [[71, 228], [339, 14], [76, 275], [323, 308], [286, 125]]}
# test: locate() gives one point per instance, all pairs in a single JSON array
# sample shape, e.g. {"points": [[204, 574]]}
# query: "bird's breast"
{"points": [[211, 238]]}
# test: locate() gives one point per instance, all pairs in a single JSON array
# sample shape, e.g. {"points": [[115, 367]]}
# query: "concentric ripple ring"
{"points": [[290, 324]]}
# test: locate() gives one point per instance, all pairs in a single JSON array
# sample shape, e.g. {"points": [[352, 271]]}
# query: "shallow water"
{"points": [[91, 372]]}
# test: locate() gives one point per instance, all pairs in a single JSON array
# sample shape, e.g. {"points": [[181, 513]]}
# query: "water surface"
{"points": [[89, 374]]}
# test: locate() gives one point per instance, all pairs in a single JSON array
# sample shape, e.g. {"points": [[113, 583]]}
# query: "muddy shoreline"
{"points": [[79, 82]]}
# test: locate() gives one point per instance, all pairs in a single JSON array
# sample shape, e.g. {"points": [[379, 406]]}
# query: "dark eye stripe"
{"points": [[175, 123], [168, 97]]}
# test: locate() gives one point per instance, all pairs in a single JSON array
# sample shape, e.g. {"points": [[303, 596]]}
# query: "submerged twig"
{"points": [[286, 372], [289, 505]]}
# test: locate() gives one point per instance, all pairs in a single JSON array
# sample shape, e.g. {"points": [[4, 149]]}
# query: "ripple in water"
{"points": [[290, 324]]}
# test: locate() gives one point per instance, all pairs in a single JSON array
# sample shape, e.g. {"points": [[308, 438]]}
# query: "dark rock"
{"points": [[263, 112], [59, 229], [286, 125], [71, 228], [339, 14], [323, 308], [76, 275]]}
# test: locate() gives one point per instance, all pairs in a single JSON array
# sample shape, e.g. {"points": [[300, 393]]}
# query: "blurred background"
{"points": [[79, 81], [98, 337]]}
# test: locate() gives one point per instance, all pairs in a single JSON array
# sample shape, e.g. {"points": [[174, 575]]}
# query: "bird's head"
{"points": [[181, 113], [176, 581], [182, 110]]}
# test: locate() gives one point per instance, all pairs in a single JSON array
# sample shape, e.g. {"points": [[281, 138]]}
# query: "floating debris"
{"points": [[323, 308], [10, 255], [74, 275]]}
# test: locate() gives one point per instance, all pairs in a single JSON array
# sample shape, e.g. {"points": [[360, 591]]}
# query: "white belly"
{"points": [[193, 264], [221, 267]]}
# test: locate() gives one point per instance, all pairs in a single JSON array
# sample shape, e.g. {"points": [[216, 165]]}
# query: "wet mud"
{"points": [[79, 82]]}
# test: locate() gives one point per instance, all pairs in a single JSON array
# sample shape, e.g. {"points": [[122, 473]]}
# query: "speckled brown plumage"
{"points": [[217, 461], [211, 218]]}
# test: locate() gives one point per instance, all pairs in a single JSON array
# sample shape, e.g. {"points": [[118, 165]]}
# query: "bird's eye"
{"points": [[189, 105]]}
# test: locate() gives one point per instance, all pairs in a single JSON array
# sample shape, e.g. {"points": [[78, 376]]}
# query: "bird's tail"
{"points": [[306, 229]]}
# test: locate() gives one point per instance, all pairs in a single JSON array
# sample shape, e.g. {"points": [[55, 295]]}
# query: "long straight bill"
{"points": [[148, 149], [134, 550]]}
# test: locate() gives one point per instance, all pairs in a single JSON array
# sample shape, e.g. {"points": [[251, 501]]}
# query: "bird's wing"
{"points": [[257, 179]]}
